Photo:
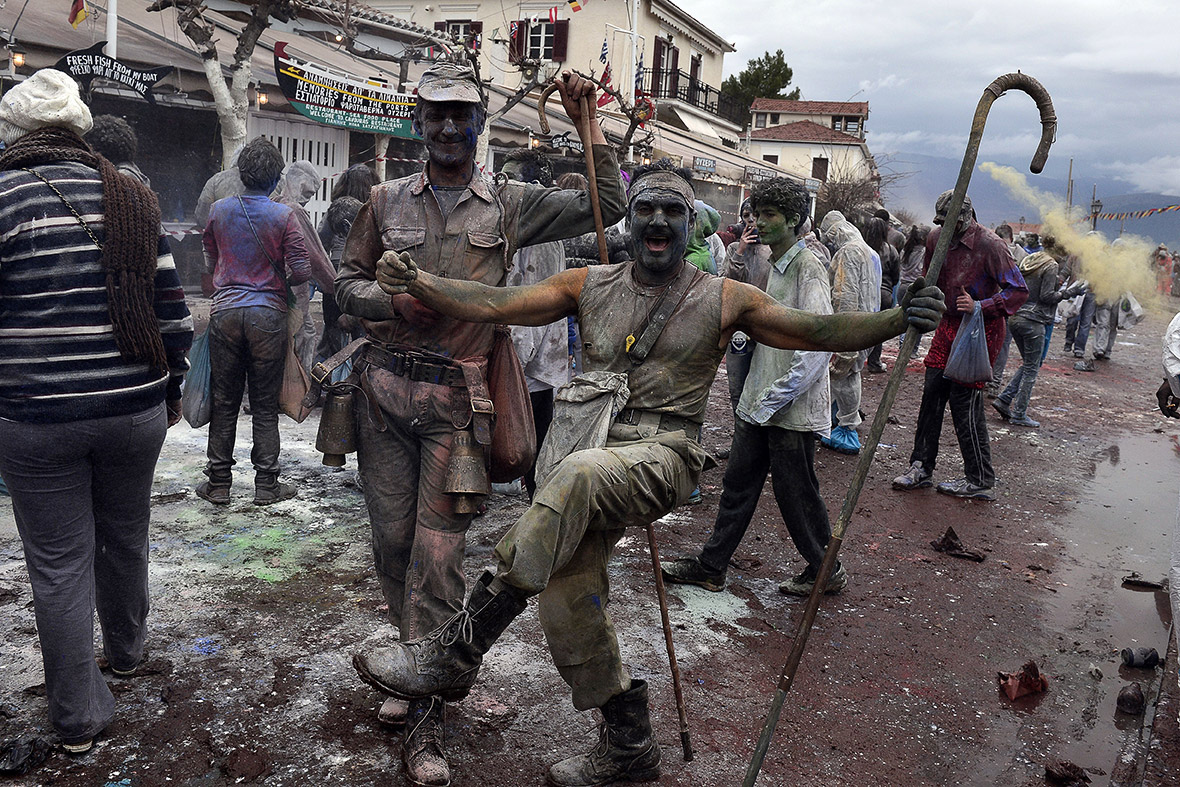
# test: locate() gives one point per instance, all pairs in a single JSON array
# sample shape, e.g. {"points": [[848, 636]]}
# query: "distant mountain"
{"points": [[931, 175]]}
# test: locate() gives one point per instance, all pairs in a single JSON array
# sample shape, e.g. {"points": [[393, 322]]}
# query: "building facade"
{"points": [[822, 140]]}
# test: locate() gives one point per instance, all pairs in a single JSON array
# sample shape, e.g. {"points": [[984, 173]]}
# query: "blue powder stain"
{"points": [[206, 646], [120, 783], [597, 601]]}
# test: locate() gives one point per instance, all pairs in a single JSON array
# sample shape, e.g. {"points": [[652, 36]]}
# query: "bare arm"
{"points": [[748, 309], [534, 304]]}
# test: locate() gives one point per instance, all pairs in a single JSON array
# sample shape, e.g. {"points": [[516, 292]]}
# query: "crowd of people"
{"points": [[415, 273]]}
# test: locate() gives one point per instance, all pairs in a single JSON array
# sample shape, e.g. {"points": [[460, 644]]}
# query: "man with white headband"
{"points": [[649, 464]]}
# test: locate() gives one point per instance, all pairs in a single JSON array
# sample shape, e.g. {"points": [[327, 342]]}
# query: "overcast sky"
{"points": [[1112, 68]]}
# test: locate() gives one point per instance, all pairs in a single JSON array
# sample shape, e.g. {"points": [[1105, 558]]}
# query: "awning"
{"points": [[694, 124]]}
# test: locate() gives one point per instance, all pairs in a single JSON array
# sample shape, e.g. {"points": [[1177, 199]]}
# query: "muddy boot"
{"points": [[217, 494], [393, 712], [426, 762], [269, 489], [626, 750], [446, 661]]}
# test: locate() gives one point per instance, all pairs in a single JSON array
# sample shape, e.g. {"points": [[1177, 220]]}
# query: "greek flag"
{"points": [[639, 75], [602, 54]]}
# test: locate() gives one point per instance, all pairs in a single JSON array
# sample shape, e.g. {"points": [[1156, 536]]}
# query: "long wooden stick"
{"points": [[592, 178], [685, 741]]}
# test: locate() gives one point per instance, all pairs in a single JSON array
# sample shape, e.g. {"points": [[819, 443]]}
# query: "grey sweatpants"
{"points": [[81, 494]]}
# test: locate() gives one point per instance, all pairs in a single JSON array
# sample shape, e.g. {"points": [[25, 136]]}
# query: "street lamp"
{"points": [[17, 53], [1095, 209]]}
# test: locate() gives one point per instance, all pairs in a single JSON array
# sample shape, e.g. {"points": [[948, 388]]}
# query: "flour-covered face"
{"points": [[450, 130], [661, 223]]}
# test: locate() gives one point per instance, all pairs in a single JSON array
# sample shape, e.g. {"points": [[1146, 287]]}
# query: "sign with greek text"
{"points": [[85, 65], [757, 173], [337, 99], [702, 164]]}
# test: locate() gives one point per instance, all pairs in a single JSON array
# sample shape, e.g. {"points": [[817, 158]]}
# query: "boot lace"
{"points": [[459, 626], [427, 732]]}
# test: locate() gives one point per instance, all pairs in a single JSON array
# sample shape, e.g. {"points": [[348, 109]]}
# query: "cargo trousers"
{"points": [[418, 539], [560, 547]]}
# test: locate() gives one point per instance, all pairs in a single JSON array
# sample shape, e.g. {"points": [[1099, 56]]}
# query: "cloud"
{"points": [[1160, 174], [891, 81]]}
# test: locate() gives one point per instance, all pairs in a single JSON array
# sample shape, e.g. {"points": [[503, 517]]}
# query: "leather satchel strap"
{"points": [[665, 306], [323, 370], [482, 409]]}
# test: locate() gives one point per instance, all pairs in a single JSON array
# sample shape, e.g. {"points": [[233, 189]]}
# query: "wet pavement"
{"points": [[255, 612]]}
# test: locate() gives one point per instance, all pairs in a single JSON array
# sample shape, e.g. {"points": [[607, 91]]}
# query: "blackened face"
{"points": [[660, 227], [450, 130], [747, 215], [941, 210]]}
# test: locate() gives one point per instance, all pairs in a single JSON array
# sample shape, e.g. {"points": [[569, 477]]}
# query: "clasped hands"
{"points": [[396, 272]]}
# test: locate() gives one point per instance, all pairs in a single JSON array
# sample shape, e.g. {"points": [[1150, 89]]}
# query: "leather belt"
{"points": [[667, 422], [419, 367]]}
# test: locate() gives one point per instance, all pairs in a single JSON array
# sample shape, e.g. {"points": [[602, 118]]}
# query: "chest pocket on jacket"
{"points": [[403, 238], [485, 249]]}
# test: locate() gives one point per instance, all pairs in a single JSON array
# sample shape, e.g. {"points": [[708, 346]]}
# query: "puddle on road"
{"points": [[1123, 523]]}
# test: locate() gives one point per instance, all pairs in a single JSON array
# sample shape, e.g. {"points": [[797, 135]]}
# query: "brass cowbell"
{"points": [[337, 433], [467, 473]]}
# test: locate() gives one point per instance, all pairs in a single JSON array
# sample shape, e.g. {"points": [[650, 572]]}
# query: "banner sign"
{"points": [[86, 64], [563, 141], [342, 100]]}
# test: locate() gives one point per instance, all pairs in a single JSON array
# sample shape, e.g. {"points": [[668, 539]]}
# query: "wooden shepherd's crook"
{"points": [[588, 155], [584, 133], [996, 89]]}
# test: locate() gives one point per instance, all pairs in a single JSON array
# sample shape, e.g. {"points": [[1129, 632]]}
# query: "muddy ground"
{"points": [[256, 611]]}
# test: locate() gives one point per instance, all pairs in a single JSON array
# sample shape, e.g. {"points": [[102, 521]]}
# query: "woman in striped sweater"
{"points": [[93, 335]]}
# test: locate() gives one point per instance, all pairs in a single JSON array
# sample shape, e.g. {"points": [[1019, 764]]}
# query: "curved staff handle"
{"points": [[1048, 134], [588, 156]]}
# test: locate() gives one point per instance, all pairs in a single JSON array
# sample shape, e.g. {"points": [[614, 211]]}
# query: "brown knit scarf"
{"points": [[131, 221]]}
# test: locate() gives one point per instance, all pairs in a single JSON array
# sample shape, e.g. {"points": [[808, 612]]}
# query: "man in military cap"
{"points": [[459, 224]]}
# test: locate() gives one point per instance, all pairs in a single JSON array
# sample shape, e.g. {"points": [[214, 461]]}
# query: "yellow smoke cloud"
{"points": [[1110, 269]]}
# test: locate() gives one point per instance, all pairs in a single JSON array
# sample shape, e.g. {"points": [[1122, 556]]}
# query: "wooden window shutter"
{"points": [[440, 26], [476, 31], [516, 45], [561, 39]]}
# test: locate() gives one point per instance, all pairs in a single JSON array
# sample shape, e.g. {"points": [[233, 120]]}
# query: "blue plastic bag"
{"points": [[968, 361], [196, 400]]}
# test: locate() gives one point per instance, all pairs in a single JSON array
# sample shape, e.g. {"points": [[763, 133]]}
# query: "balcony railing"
{"points": [[679, 86]]}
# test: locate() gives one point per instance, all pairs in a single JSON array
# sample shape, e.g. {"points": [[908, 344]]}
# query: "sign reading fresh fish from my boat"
{"points": [[343, 100], [85, 65]]}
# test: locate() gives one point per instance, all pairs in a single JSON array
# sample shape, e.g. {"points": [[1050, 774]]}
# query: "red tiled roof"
{"points": [[811, 107], [805, 131]]}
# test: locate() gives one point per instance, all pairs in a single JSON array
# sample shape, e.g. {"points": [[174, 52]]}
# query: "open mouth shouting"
{"points": [[657, 243]]}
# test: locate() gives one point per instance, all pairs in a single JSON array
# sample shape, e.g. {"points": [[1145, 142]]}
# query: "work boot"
{"points": [[626, 750], [269, 489], [1001, 407], [217, 494], [426, 762], [914, 478], [446, 661], [690, 571], [393, 712]]}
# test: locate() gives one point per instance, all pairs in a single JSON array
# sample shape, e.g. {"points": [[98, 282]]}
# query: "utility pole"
{"points": [[113, 29], [1069, 188]]}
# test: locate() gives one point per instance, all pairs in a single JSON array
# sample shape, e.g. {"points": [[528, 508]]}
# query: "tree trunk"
{"points": [[380, 147]]}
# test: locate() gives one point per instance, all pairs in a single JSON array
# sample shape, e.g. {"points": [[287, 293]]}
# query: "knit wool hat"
{"points": [[48, 98]]}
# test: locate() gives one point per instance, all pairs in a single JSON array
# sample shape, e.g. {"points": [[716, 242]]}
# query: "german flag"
{"points": [[78, 13]]}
